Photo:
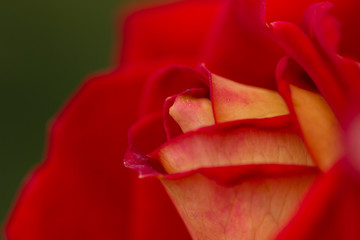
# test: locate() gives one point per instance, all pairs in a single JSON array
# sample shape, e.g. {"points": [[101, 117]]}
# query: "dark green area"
{"points": [[46, 49]]}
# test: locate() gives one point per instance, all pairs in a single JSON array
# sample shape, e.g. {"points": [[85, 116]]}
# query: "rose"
{"points": [[85, 147], [212, 211]]}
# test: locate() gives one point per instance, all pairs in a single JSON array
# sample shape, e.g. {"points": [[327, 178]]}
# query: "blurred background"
{"points": [[46, 49]]}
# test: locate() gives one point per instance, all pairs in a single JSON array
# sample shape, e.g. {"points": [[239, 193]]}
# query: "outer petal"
{"points": [[347, 11], [170, 31], [331, 208], [239, 44], [324, 30], [82, 190]]}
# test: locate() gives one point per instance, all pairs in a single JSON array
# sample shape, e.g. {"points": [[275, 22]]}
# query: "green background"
{"points": [[46, 49]]}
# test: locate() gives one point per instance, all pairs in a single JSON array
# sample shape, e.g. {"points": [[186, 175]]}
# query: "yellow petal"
{"points": [[234, 101], [319, 126], [192, 113]]}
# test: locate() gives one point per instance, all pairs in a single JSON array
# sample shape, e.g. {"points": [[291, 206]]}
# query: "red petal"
{"points": [[331, 208], [324, 30], [322, 27], [144, 136], [240, 45], [171, 31], [82, 190], [347, 11], [335, 76]]}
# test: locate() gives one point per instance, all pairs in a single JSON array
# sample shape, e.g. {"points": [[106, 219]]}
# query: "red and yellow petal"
{"points": [[318, 125], [233, 101], [233, 145]]}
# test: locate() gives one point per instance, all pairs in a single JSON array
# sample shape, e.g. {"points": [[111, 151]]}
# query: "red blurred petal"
{"points": [[153, 215], [324, 30], [82, 190], [176, 30], [347, 11], [331, 208], [291, 11], [322, 27], [240, 45]]}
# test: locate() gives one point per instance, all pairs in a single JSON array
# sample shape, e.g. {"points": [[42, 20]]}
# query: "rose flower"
{"points": [[245, 113]]}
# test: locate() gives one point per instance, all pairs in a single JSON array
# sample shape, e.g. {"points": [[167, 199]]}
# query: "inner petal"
{"points": [[234, 101], [192, 113]]}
